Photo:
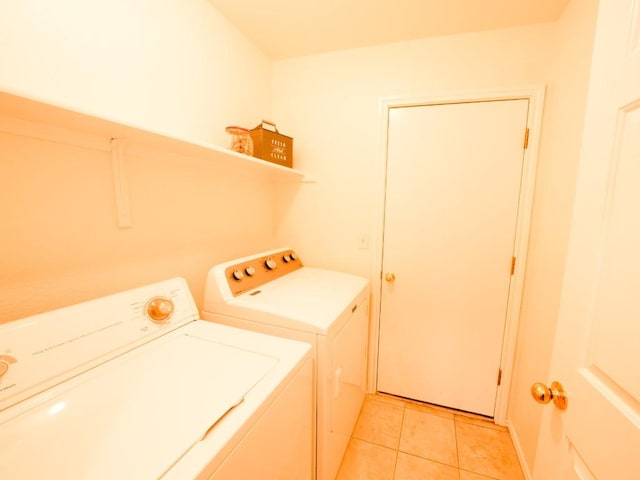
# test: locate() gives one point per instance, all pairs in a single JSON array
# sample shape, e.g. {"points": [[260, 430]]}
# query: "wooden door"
{"points": [[597, 347], [453, 184]]}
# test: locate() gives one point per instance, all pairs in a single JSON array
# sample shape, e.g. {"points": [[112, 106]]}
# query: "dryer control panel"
{"points": [[251, 272]]}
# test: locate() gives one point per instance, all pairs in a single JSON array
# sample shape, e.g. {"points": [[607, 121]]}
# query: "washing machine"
{"points": [[273, 292], [135, 386]]}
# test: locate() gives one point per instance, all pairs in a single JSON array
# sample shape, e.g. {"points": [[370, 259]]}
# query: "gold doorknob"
{"points": [[543, 394], [389, 277]]}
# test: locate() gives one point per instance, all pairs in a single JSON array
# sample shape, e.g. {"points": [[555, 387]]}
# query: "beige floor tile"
{"points": [[432, 409], [464, 475], [429, 436], [367, 461], [409, 467], [379, 422], [480, 421], [385, 397], [487, 451]]}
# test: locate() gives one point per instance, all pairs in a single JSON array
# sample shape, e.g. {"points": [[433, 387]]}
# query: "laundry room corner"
{"points": [[559, 150], [332, 103], [111, 61]]}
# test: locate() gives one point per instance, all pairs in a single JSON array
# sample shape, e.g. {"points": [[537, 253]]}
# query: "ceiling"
{"points": [[292, 28]]}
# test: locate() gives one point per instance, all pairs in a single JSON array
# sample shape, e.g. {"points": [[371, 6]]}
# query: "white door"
{"points": [[597, 347], [453, 184]]}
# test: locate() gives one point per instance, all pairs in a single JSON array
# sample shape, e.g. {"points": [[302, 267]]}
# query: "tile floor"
{"points": [[397, 439]]}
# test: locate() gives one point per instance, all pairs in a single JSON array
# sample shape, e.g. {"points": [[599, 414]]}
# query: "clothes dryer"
{"points": [[273, 292]]}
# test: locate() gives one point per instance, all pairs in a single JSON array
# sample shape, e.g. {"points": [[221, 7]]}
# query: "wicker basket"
{"points": [[271, 145]]}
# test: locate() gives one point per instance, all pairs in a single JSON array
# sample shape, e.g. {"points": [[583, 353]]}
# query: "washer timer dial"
{"points": [[5, 363], [159, 309]]}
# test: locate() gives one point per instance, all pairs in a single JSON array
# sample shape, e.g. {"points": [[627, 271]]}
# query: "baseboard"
{"points": [[516, 443]]}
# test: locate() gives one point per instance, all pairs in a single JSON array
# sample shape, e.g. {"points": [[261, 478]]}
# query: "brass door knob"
{"points": [[543, 394], [389, 277]]}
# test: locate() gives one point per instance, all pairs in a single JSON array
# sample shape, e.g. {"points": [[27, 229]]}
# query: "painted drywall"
{"points": [[330, 104], [561, 143], [166, 65], [179, 67], [173, 66]]}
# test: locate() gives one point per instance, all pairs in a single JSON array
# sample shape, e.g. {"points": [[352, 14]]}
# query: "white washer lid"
{"points": [[133, 417], [308, 299]]}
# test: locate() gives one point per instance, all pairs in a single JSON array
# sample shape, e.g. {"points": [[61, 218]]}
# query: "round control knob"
{"points": [[159, 309], [293, 256], [238, 275], [270, 263], [4, 368], [286, 258], [250, 271], [5, 363]]}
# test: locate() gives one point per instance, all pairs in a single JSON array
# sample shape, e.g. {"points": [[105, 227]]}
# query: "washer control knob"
{"points": [[238, 275], [159, 309], [286, 258], [270, 263], [293, 256], [5, 363], [250, 271], [4, 368]]}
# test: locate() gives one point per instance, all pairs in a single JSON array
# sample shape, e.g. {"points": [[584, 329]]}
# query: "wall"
{"points": [[330, 104], [168, 65], [178, 66], [560, 148]]}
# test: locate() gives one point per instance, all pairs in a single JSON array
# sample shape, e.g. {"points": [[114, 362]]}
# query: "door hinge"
{"points": [[499, 376], [526, 139], [513, 265]]}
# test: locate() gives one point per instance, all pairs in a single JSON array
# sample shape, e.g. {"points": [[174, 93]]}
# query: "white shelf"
{"points": [[25, 116]]}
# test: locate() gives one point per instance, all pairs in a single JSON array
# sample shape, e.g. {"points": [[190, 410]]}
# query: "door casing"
{"points": [[535, 95]]}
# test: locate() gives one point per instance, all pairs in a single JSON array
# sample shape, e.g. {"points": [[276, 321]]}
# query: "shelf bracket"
{"points": [[120, 186]]}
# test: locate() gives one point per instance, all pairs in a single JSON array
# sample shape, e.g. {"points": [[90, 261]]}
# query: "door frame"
{"points": [[535, 95]]}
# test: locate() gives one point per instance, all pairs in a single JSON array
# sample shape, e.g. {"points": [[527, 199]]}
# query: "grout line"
{"points": [[433, 461], [478, 474], [455, 439], [458, 418], [373, 443], [395, 466], [488, 427]]}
